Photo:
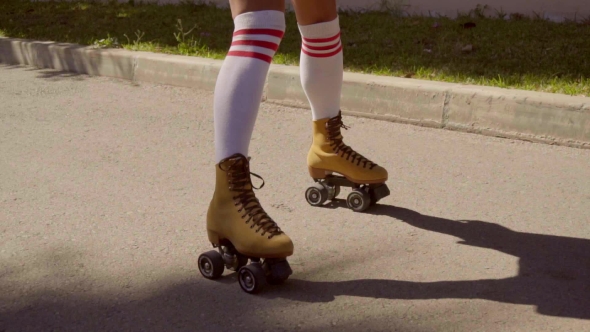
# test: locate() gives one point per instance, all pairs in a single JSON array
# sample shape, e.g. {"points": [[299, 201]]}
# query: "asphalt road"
{"points": [[104, 187]]}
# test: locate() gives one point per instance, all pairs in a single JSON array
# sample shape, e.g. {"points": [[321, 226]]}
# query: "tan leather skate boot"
{"points": [[235, 214], [328, 154]]}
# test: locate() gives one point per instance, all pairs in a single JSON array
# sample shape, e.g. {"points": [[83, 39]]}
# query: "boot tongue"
{"points": [[240, 164], [334, 127], [334, 133], [337, 135]]}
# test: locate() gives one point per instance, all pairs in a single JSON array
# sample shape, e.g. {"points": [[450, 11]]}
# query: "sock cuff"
{"points": [[265, 19], [321, 30]]}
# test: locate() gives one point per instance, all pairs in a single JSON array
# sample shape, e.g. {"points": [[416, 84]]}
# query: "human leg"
{"points": [[236, 222], [321, 64], [259, 28], [321, 70]]}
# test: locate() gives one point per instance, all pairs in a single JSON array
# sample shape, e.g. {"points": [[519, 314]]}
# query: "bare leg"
{"points": [[243, 6], [314, 11]]}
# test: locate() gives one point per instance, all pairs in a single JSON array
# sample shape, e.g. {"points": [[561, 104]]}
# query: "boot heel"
{"points": [[213, 237], [317, 173]]}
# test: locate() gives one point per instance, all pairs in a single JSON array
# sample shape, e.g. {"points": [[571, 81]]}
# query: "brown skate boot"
{"points": [[329, 154], [241, 229]]}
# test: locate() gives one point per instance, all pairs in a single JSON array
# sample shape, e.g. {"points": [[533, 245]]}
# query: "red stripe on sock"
{"points": [[270, 32], [254, 55], [322, 40], [259, 43], [321, 48], [322, 55]]}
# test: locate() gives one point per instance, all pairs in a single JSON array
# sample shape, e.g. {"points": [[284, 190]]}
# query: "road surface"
{"points": [[104, 186]]}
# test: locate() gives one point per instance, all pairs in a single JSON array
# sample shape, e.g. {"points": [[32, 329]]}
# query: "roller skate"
{"points": [[242, 231], [328, 155]]}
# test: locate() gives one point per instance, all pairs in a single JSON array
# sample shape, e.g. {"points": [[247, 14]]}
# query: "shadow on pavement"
{"points": [[553, 275], [65, 299], [48, 74], [54, 292], [54, 75]]}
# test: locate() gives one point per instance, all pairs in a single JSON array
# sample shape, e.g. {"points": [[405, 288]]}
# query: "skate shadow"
{"points": [[553, 273], [337, 203]]}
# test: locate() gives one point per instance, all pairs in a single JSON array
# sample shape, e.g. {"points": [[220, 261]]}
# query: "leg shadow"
{"points": [[553, 275]]}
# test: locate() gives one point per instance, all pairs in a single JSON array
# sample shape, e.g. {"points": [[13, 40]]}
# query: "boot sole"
{"points": [[218, 240], [318, 173]]}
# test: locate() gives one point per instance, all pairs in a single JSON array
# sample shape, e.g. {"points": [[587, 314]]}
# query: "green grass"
{"points": [[523, 53]]}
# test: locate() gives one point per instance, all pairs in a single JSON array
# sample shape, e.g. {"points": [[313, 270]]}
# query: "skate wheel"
{"points": [[251, 278], [358, 200], [316, 195], [211, 264]]}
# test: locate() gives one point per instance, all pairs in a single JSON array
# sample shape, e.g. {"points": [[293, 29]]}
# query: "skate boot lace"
{"points": [[239, 179], [336, 142]]}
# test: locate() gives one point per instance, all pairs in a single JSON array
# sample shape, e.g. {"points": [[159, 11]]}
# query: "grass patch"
{"points": [[503, 51]]}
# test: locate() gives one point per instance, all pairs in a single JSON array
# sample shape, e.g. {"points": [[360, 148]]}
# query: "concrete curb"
{"points": [[526, 115]]}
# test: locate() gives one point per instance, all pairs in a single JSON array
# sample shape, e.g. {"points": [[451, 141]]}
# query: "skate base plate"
{"points": [[361, 197]]}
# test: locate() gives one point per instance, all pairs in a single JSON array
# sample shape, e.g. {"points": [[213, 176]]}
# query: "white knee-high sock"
{"points": [[239, 86], [321, 67]]}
